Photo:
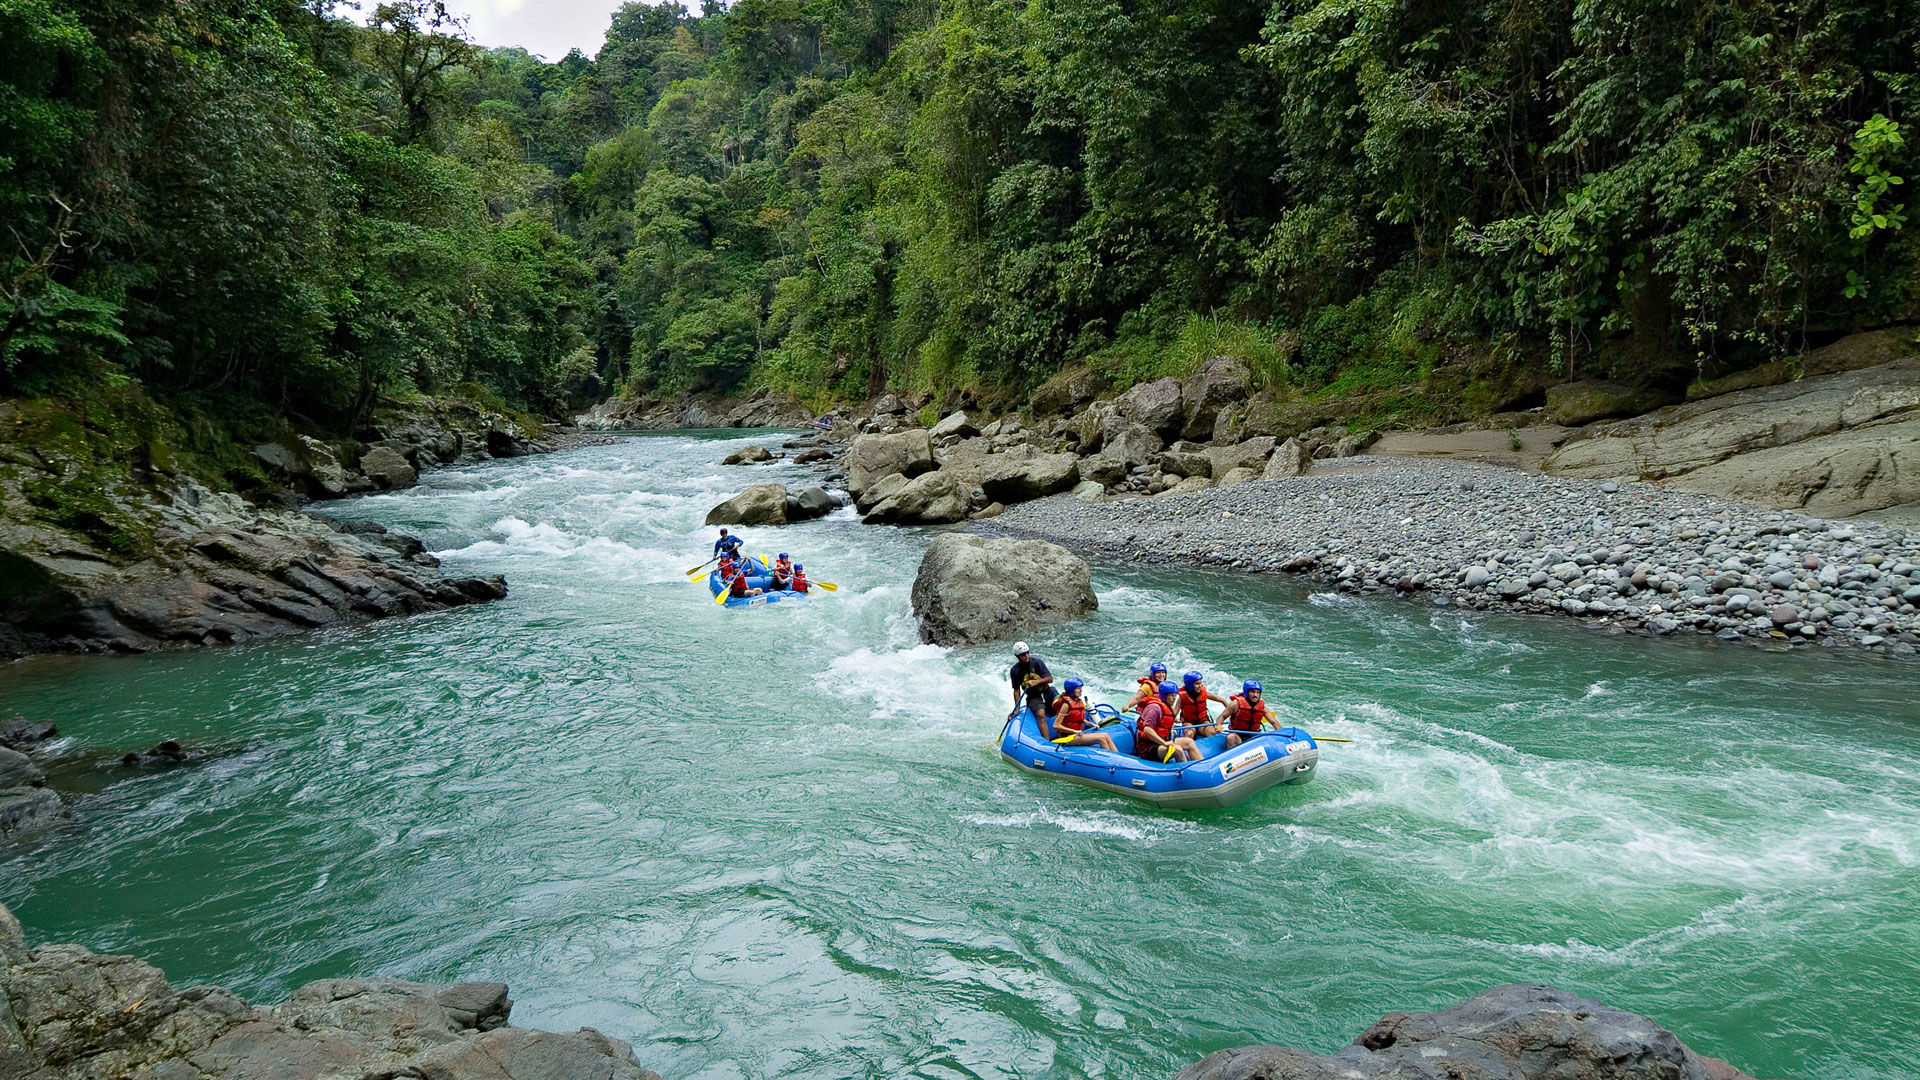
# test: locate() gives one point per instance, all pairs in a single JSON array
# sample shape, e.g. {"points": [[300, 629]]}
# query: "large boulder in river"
{"points": [[748, 455], [810, 503], [935, 498], [385, 466], [1010, 479], [1506, 1033], [761, 504], [871, 458], [70, 1014], [971, 589]]}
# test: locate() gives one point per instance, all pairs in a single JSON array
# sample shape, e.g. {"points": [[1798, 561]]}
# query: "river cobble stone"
{"points": [[1638, 557]]}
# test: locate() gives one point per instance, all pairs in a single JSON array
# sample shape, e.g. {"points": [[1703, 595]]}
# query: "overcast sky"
{"points": [[543, 27]]}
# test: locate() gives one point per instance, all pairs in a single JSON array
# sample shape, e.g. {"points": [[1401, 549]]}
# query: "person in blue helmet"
{"points": [[1069, 725], [1248, 714], [782, 571], [1149, 686], [728, 544], [1190, 706], [1153, 734]]}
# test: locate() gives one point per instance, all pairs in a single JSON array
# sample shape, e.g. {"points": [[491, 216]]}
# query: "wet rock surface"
{"points": [[971, 590], [70, 1014], [760, 504], [197, 567], [1506, 1033], [1630, 556]]}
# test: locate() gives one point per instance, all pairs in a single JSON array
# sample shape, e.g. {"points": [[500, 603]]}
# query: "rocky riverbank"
{"points": [[70, 1014], [1632, 557]]}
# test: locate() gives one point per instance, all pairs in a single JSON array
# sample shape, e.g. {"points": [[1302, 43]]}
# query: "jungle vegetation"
{"points": [[311, 206]]}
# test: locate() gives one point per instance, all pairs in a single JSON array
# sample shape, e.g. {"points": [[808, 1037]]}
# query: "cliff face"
{"points": [[69, 1014]]}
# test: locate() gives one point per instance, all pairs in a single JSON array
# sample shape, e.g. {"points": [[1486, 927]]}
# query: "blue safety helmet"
{"points": [[1072, 684], [1250, 686], [783, 554], [1168, 688], [1191, 677], [1157, 669], [797, 566]]}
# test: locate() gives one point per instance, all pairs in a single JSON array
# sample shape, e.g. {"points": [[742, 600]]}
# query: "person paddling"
{"points": [[737, 584], [726, 545], [1069, 724], [1031, 681], [799, 582], [782, 572], [1153, 736], [1248, 714]]}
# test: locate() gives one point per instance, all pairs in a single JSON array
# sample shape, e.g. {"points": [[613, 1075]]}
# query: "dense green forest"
{"points": [[311, 206]]}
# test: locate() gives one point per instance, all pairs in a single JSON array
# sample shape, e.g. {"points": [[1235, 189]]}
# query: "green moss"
{"points": [[81, 504]]}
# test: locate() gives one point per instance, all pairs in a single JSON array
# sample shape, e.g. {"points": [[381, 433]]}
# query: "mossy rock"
{"points": [[1577, 403]]}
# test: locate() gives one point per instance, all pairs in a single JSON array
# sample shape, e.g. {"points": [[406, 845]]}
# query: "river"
{"points": [[779, 842]]}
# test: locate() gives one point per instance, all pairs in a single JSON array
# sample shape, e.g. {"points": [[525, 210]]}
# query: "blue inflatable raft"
{"points": [[763, 581], [1222, 778]]}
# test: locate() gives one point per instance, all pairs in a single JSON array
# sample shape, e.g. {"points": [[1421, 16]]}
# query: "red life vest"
{"points": [[799, 583], [1152, 715], [1072, 716], [1247, 715], [1193, 709], [738, 584], [783, 567]]}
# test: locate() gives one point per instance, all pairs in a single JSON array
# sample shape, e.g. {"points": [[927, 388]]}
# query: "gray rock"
{"points": [[1185, 460], [74, 1015], [1251, 454], [1012, 480], [748, 455], [957, 425], [760, 504], [1476, 577], [1089, 491], [812, 455], [1784, 615], [971, 590], [871, 458], [18, 770], [1155, 406], [1506, 1033], [1237, 475], [1289, 459], [1220, 382], [935, 498], [388, 469], [1190, 485], [20, 734], [1577, 403], [810, 503], [27, 811]]}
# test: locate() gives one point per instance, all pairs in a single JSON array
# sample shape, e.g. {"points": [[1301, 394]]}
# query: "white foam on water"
{"points": [[1086, 822], [1331, 599], [920, 682], [1128, 597], [1599, 689]]}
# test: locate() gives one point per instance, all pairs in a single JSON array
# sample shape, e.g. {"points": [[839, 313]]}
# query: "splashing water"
{"points": [[777, 842]]}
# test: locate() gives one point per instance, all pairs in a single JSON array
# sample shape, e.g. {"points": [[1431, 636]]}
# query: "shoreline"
{"points": [[1633, 556]]}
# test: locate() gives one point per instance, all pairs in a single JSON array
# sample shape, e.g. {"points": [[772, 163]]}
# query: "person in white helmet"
{"points": [[1032, 682]]}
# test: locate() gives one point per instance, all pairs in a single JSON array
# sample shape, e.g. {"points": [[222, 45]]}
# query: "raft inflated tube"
{"points": [[763, 582], [1221, 778]]}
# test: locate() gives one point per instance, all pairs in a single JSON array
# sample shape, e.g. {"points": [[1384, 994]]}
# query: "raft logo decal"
{"points": [[1253, 757]]}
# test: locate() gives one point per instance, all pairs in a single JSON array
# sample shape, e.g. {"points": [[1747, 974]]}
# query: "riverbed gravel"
{"points": [[1630, 557]]}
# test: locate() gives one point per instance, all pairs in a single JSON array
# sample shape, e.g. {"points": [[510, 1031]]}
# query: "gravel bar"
{"points": [[1634, 556]]}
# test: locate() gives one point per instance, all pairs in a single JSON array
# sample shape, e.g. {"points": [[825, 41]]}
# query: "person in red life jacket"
{"points": [[1149, 687], [1248, 714], [1069, 726], [737, 584], [1153, 736], [1190, 707], [799, 582], [782, 572]]}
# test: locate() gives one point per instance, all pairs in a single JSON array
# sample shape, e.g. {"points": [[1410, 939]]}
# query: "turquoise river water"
{"points": [[779, 842]]}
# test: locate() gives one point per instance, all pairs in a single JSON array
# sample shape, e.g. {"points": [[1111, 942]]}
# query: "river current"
{"points": [[780, 842]]}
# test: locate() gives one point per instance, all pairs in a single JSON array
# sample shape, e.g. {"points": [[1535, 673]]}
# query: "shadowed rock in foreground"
{"points": [[1506, 1033], [70, 1014], [971, 590]]}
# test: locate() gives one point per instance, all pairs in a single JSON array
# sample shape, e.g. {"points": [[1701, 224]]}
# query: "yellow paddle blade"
{"points": [[827, 585], [721, 596], [1329, 738]]}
